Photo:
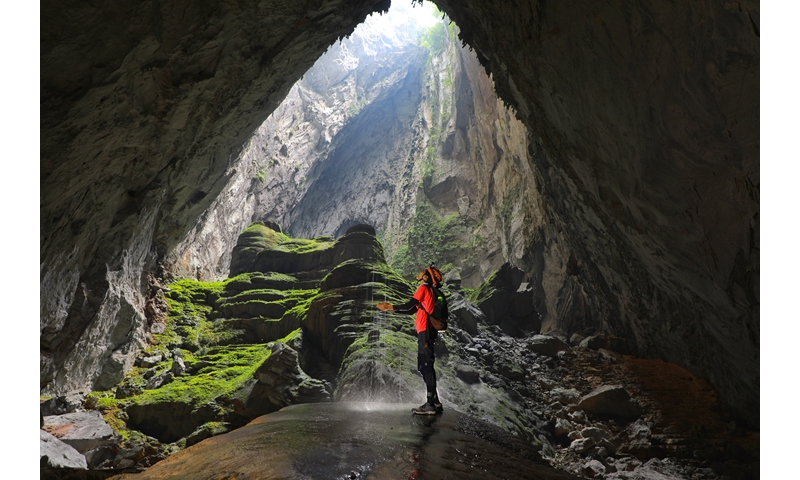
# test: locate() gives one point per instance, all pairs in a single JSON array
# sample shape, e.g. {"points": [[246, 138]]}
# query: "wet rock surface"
{"points": [[358, 440]]}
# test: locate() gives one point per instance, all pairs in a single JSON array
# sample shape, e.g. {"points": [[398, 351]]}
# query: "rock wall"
{"points": [[144, 109], [647, 157]]}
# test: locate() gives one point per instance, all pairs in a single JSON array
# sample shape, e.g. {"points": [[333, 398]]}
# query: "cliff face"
{"points": [[648, 119], [383, 131], [632, 206]]}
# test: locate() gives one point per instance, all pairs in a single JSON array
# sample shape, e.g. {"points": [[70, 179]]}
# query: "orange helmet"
{"points": [[432, 273]]}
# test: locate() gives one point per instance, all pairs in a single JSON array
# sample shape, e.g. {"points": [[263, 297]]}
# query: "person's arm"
{"points": [[410, 306]]}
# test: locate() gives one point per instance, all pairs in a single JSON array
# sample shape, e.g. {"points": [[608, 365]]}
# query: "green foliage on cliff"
{"points": [[433, 40], [430, 239]]}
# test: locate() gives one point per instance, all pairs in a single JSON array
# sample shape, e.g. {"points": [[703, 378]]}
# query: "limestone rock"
{"points": [[100, 457], [82, 430], [178, 367], [53, 453], [467, 373], [611, 400], [546, 345], [150, 361], [159, 380], [563, 428], [581, 445], [593, 468], [284, 382], [506, 304], [590, 153], [467, 314], [567, 396], [602, 341], [61, 404]]}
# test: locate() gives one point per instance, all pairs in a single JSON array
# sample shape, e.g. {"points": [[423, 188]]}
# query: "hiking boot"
{"points": [[438, 407], [425, 409]]}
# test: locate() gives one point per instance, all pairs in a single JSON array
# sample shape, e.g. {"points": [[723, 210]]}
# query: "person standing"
{"points": [[422, 303]]}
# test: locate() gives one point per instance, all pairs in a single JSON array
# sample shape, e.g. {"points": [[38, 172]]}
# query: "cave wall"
{"points": [[647, 123], [644, 119], [145, 106]]}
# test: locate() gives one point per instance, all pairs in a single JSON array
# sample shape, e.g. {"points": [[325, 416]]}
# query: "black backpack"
{"points": [[438, 317]]}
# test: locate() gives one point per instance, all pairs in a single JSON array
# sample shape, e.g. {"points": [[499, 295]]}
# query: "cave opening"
{"points": [[396, 126]]}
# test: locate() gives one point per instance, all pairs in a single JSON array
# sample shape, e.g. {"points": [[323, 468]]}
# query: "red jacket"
{"points": [[424, 295]]}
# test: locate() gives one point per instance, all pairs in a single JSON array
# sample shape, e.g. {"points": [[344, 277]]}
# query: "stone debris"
{"points": [[149, 361], [178, 367], [611, 400], [467, 373], [62, 404], [81, 430], [546, 345], [159, 380], [563, 428], [53, 453]]}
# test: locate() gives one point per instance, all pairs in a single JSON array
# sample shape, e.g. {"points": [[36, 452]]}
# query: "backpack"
{"points": [[438, 318]]}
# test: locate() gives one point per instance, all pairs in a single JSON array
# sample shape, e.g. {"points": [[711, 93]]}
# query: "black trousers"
{"points": [[426, 357]]}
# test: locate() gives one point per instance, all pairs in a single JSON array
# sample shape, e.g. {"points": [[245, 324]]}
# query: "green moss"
{"points": [[230, 368], [303, 245]]}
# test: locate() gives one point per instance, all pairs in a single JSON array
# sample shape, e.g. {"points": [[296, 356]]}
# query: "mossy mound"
{"points": [[359, 271], [211, 367], [261, 249], [252, 241]]}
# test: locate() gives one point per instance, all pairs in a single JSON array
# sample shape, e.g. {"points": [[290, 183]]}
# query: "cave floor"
{"points": [[357, 440]]}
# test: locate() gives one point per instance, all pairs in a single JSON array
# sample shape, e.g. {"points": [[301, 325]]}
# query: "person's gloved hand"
{"points": [[384, 306]]}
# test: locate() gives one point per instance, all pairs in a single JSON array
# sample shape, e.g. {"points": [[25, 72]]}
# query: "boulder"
{"points": [[611, 400], [62, 404], [53, 453], [82, 430], [508, 303], [282, 382], [576, 339], [601, 437], [159, 380], [150, 361], [593, 468], [606, 342], [100, 456], [127, 390], [178, 367], [567, 396], [467, 373], [598, 434], [582, 444], [465, 313], [563, 428], [546, 345]]}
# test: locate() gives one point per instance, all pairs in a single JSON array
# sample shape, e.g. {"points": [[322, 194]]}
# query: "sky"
{"points": [[780, 101]]}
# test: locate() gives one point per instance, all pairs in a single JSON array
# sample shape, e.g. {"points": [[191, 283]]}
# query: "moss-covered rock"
{"points": [[252, 241]]}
